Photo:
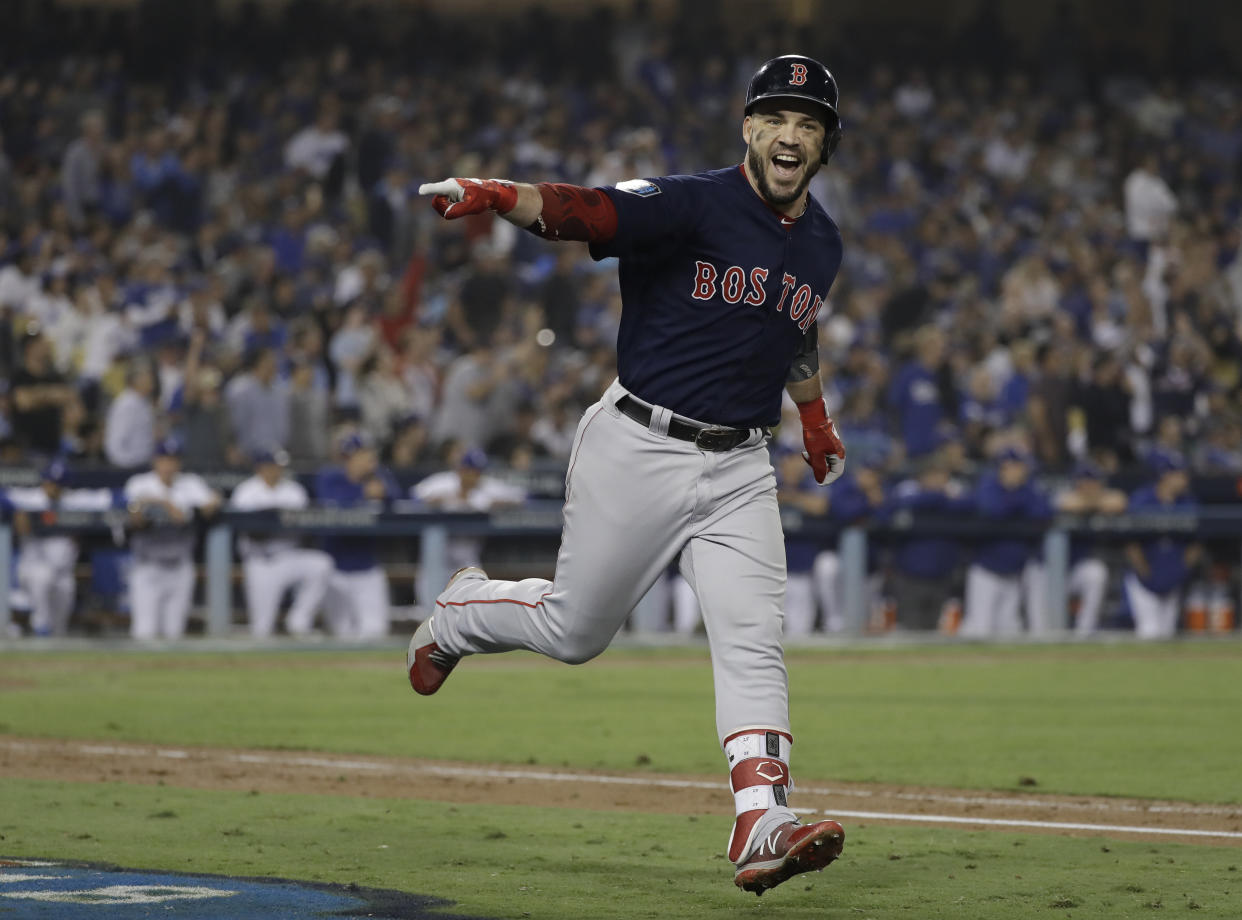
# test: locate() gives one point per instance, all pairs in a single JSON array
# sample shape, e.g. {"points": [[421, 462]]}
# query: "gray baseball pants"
{"points": [[635, 500]]}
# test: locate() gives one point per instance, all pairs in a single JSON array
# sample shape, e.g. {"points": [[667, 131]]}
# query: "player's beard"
{"points": [[759, 169]]}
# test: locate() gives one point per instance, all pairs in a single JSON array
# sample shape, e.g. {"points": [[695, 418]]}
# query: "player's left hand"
{"points": [[824, 450], [456, 198]]}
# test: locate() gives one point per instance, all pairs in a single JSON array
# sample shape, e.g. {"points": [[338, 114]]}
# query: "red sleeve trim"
{"points": [[571, 212]]}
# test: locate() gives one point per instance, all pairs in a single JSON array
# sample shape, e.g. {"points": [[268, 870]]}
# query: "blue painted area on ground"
{"points": [[48, 890]]}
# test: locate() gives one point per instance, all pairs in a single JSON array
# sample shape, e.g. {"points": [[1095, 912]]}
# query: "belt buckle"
{"points": [[716, 437]]}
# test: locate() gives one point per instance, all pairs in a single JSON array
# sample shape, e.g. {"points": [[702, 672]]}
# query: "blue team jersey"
{"points": [[334, 489], [1007, 553], [1165, 555], [718, 291]]}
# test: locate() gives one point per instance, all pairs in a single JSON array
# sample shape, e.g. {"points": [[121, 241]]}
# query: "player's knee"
{"points": [[1095, 571], [579, 649]]}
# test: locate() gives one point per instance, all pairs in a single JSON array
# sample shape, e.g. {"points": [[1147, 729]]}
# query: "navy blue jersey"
{"points": [[1007, 554], [928, 556], [1165, 554], [718, 292], [334, 489]]}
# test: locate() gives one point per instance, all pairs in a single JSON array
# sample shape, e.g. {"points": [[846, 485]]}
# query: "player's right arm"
{"points": [[552, 210]]}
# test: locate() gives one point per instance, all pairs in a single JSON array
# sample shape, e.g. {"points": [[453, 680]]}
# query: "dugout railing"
{"points": [[432, 530]]}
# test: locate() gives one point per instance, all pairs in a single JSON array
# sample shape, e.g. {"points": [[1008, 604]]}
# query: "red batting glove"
{"points": [[456, 198], [824, 450]]}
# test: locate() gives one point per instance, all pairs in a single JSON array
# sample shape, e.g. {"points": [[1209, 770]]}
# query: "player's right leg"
{"points": [[38, 580], [980, 602], [1145, 607], [263, 591], [178, 595], [309, 570], [629, 495], [144, 600], [1089, 581]]}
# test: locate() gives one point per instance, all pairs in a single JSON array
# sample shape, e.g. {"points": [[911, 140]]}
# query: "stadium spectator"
{"points": [[915, 395], [39, 394], [130, 431], [80, 170], [258, 405]]}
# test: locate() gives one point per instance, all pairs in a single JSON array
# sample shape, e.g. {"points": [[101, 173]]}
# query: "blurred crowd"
{"points": [[214, 234], [235, 254]]}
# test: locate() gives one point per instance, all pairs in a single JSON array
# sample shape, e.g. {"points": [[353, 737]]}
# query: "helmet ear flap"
{"points": [[831, 138]]}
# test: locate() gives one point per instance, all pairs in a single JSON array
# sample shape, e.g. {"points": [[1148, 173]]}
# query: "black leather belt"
{"points": [[710, 437]]}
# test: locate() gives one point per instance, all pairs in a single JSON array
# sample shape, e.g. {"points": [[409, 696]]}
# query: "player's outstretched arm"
{"points": [[554, 211]]}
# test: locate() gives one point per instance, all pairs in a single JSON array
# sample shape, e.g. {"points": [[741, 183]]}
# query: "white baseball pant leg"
{"points": [[686, 613], [652, 611], [826, 574], [635, 499], [992, 604], [268, 578], [309, 570], [1035, 598], [358, 604], [799, 604], [52, 591], [160, 597], [1155, 615], [1088, 581]]}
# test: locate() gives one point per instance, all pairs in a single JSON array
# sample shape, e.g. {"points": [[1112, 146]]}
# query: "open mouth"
{"points": [[786, 165]]}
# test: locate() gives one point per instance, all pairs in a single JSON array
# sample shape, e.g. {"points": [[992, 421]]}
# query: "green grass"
{"points": [[562, 863], [1120, 720]]}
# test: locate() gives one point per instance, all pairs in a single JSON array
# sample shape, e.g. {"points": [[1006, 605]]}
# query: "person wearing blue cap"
{"points": [[273, 564], [46, 561], [163, 506], [357, 604], [1088, 493], [466, 487], [994, 580], [1160, 565]]}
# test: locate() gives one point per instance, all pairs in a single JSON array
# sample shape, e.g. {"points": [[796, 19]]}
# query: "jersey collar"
{"points": [[786, 221]]}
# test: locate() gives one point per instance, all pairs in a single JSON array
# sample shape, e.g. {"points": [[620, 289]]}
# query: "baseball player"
{"points": [[465, 488], [1160, 566], [163, 506], [45, 562], [855, 498], [1088, 493], [995, 580], [274, 564], [925, 568], [722, 276], [357, 603]]}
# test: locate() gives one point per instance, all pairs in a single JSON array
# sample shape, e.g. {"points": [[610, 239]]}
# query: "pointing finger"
{"points": [[449, 187]]}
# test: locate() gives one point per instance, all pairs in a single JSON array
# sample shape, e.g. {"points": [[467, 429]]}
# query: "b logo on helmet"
{"points": [[799, 75]]}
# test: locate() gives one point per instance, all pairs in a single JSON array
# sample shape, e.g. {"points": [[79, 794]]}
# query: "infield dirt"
{"points": [[538, 784]]}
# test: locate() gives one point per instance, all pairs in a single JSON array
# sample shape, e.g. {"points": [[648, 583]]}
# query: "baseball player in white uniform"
{"points": [[45, 562], [163, 504], [722, 276], [465, 488], [274, 564]]}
